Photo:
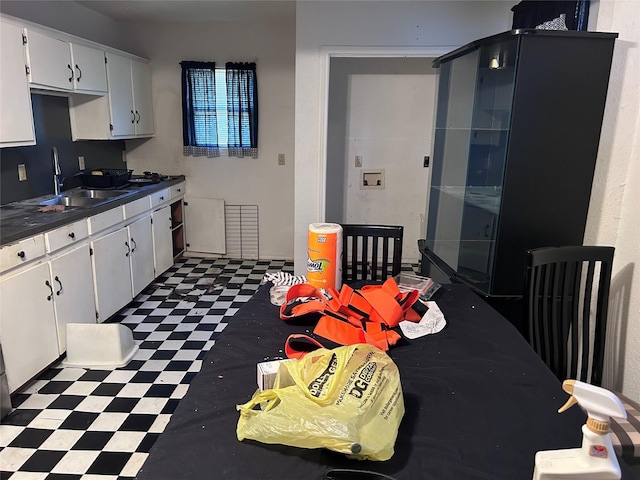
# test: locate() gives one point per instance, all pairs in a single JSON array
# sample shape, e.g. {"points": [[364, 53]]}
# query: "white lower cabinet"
{"points": [[28, 330], [73, 298], [112, 272], [122, 266], [141, 241], [82, 272], [162, 240]]}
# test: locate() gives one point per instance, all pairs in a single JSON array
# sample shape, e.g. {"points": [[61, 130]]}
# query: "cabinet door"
{"points": [[120, 95], [73, 299], [49, 62], [162, 240], [143, 100], [89, 68], [111, 273], [141, 241], [27, 324], [16, 116], [204, 225]]}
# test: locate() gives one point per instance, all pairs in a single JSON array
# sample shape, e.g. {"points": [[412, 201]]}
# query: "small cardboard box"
{"points": [[267, 372]]}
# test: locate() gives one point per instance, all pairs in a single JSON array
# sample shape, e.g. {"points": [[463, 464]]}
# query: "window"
{"points": [[219, 109]]}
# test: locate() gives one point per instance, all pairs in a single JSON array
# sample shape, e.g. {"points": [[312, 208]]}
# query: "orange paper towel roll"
{"points": [[324, 257]]}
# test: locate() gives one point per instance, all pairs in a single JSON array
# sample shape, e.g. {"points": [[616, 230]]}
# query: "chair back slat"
{"points": [[371, 252], [566, 307]]}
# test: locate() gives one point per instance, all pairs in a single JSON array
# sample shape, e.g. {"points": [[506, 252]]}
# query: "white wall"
{"points": [[614, 212], [238, 181], [389, 124], [382, 24]]}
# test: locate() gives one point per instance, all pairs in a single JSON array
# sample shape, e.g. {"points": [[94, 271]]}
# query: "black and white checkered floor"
{"points": [[76, 423]]}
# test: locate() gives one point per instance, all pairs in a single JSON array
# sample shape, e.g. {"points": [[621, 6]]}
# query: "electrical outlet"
{"points": [[81, 162], [281, 159], [425, 163], [22, 172], [358, 160]]}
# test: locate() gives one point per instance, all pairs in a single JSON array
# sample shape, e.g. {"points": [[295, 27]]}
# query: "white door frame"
{"points": [[327, 53]]}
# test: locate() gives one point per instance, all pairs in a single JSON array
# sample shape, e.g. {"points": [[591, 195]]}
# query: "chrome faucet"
{"points": [[58, 179]]}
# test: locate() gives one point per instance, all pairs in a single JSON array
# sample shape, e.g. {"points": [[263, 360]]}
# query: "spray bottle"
{"points": [[596, 459]]}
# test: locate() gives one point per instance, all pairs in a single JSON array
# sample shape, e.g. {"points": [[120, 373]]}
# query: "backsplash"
{"points": [[53, 129]]}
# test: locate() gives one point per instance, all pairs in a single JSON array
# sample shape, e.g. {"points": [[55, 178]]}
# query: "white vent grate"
{"points": [[242, 231]]}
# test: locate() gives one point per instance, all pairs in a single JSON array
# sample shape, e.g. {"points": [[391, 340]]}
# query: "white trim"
{"points": [[327, 52]]}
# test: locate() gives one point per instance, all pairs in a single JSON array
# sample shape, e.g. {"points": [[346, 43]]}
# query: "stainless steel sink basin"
{"points": [[73, 201], [101, 194]]}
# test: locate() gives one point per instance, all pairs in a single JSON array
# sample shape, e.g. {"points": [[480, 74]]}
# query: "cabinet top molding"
{"points": [[521, 32], [67, 37]]}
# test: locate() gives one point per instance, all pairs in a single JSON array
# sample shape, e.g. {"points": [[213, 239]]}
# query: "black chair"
{"points": [[566, 300], [371, 252]]}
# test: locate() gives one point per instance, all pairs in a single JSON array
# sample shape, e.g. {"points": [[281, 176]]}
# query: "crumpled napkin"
{"points": [[432, 321]]}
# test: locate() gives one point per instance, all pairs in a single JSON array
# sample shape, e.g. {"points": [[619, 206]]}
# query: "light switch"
{"points": [[81, 162], [358, 160], [22, 172], [281, 159]]}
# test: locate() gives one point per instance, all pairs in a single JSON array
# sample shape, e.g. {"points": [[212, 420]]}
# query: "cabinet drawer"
{"points": [[21, 252], [160, 197], [106, 219], [66, 235], [177, 190], [136, 207]]}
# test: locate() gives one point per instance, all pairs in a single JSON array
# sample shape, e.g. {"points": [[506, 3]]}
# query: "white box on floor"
{"points": [[267, 372], [101, 345]]}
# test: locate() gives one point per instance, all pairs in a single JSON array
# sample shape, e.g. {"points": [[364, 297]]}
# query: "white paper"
{"points": [[431, 322]]}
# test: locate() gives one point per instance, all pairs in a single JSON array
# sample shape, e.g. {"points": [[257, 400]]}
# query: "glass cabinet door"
{"points": [[472, 124]]}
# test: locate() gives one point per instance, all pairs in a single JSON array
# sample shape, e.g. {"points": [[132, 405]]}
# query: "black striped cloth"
{"points": [[625, 434]]}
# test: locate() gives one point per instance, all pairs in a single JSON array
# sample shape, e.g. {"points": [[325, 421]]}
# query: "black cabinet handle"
{"points": [[128, 249], [71, 70], [162, 199], [135, 245], [79, 72], [21, 254], [72, 236], [138, 119], [60, 283], [133, 117], [49, 297], [179, 190]]}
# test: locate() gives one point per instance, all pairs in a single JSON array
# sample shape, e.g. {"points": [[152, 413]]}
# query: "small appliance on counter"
{"points": [[149, 177], [105, 178]]}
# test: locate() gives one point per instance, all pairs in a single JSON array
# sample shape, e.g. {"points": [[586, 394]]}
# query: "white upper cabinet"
{"points": [[16, 116], [121, 107], [55, 64], [90, 74], [143, 101], [49, 61], [130, 103]]}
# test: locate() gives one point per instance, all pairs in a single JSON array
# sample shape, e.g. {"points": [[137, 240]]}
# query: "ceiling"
{"points": [[192, 10]]}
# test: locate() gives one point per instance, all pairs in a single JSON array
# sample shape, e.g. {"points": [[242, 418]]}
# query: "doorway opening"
{"points": [[379, 113]]}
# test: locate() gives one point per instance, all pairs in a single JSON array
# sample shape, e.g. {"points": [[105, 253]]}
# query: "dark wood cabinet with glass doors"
{"points": [[517, 129]]}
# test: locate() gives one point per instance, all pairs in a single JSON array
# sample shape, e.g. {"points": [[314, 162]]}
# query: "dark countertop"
{"points": [[19, 220]]}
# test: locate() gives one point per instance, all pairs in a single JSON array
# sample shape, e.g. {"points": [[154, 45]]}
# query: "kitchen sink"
{"points": [[91, 194], [73, 201]]}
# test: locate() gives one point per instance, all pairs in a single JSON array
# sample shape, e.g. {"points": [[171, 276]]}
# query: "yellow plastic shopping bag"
{"points": [[348, 400]]}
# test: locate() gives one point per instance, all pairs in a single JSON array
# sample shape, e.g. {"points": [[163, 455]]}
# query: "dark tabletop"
{"points": [[479, 404]]}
